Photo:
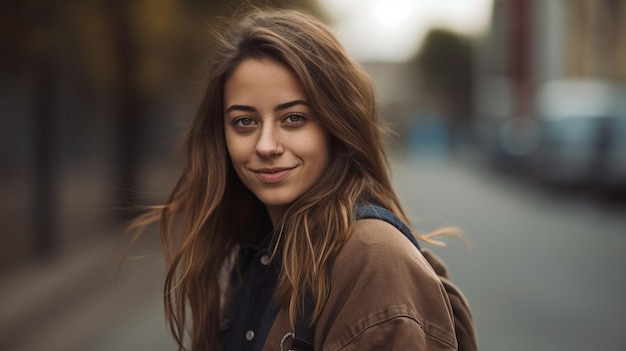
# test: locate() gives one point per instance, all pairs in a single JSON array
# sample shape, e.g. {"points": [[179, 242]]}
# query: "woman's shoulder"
{"points": [[378, 254], [377, 243], [382, 287]]}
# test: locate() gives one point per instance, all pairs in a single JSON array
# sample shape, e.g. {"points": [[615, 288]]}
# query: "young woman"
{"points": [[261, 235]]}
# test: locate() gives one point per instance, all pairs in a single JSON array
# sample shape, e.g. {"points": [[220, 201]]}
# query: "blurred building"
{"points": [[550, 78]]}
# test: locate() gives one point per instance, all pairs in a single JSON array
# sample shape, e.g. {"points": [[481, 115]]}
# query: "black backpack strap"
{"points": [[304, 335], [303, 340], [370, 211]]}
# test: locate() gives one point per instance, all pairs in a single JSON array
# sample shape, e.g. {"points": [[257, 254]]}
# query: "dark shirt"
{"points": [[243, 326]]}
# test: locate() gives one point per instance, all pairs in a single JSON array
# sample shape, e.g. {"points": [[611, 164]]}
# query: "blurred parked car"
{"points": [[576, 136], [582, 134]]}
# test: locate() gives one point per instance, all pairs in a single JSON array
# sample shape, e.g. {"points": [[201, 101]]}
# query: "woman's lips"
{"points": [[272, 176]]}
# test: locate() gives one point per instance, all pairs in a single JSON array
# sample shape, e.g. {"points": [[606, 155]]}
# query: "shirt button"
{"points": [[249, 335], [265, 260]]}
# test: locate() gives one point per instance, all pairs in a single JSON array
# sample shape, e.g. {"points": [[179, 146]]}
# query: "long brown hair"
{"points": [[201, 223]]}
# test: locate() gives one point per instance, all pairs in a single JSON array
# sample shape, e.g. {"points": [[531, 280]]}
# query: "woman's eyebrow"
{"points": [[289, 104], [241, 108], [284, 106]]}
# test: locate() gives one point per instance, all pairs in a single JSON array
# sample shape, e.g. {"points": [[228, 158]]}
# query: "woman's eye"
{"points": [[244, 122], [295, 119]]}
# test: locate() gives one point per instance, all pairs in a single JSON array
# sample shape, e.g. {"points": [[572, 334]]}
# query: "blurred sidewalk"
{"points": [[76, 302]]}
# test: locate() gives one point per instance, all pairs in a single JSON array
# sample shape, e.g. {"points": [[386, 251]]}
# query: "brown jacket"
{"points": [[384, 296]]}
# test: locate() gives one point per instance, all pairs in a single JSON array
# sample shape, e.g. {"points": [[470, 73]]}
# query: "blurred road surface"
{"points": [[541, 272]]}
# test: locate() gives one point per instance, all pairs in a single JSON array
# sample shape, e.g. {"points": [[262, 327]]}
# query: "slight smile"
{"points": [[272, 175]]}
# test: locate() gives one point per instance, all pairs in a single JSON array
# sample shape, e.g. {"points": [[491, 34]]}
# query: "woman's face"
{"points": [[276, 142]]}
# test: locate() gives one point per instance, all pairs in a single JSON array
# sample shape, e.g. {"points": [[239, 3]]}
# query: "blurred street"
{"points": [[78, 301], [541, 272]]}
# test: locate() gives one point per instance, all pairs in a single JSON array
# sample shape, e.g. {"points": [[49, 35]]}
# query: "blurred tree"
{"points": [[445, 62]]}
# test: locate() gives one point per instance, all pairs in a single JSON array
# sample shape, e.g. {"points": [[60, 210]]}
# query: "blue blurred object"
{"points": [[428, 136]]}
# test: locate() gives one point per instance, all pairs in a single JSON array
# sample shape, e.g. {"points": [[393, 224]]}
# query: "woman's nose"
{"points": [[268, 144]]}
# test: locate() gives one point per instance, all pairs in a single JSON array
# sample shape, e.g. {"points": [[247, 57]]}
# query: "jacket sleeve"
{"points": [[463, 320], [384, 296]]}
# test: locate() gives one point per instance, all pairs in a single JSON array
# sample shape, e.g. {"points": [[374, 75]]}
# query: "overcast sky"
{"points": [[392, 30]]}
